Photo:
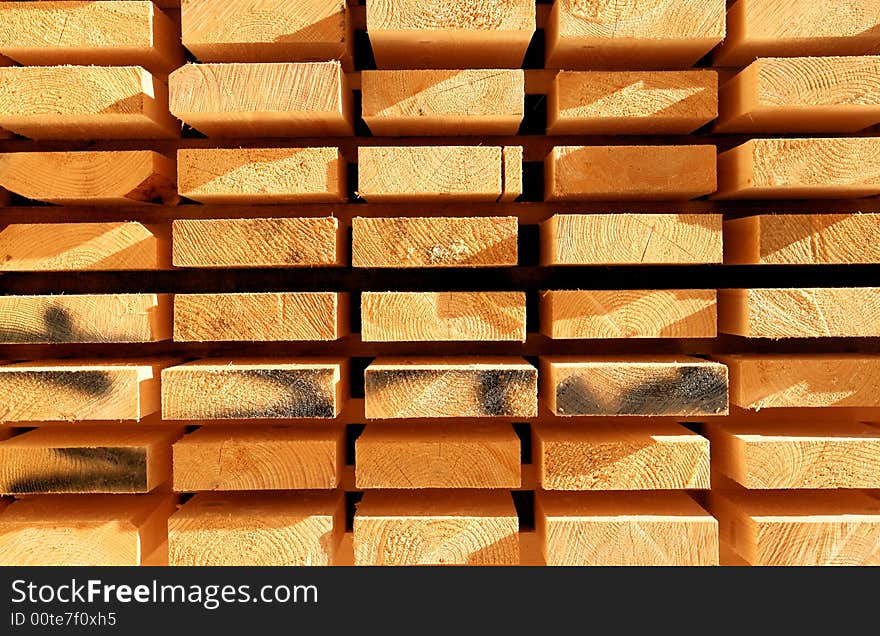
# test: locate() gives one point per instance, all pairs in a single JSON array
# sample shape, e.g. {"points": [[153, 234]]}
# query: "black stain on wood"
{"points": [[684, 390], [574, 396], [695, 389], [90, 383], [299, 393], [498, 391], [105, 469], [58, 327]]}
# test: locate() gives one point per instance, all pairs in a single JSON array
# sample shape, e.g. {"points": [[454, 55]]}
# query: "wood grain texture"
{"points": [[612, 456], [435, 316], [267, 31], [100, 33], [639, 385], [630, 239], [760, 381], [441, 102], [801, 312], [797, 455], [802, 239], [450, 386], [300, 457], [650, 313], [93, 530], [53, 247], [434, 241], [91, 102], [85, 318], [800, 528], [817, 168], [430, 173], [293, 99], [261, 175], [269, 317], [614, 173], [632, 34], [631, 102], [266, 242], [439, 527], [435, 455], [791, 28], [90, 177], [254, 389], [81, 389], [448, 34], [625, 529], [86, 460], [254, 529], [807, 94]]}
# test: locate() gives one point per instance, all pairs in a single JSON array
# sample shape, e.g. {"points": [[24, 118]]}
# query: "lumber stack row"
{"points": [[316, 147]]}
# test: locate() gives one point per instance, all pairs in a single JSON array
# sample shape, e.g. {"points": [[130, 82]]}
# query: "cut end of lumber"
{"points": [[434, 455], [405, 242], [472, 386], [625, 529], [661, 385], [631, 239], [443, 528], [254, 389], [615, 173]]}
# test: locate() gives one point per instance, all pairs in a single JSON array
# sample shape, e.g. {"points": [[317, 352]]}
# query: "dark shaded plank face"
{"points": [[675, 391], [103, 469]]}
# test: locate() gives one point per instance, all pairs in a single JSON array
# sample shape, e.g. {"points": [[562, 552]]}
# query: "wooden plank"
{"points": [[281, 529], [649, 313], [442, 527], [433, 316], [90, 177], [99, 33], [443, 102], [643, 455], [468, 386], [799, 528], [630, 34], [637, 173], [656, 385], [761, 381], [254, 389], [801, 239], [31, 247], [86, 460], [437, 455], [431, 173], [800, 312], [91, 102], [304, 457], [448, 34], [271, 316], [404, 242], [808, 94], [85, 318], [511, 173], [792, 28], [91, 530], [268, 242], [69, 390], [631, 102], [227, 176], [295, 99], [631, 239], [799, 454], [274, 31], [819, 168], [625, 529]]}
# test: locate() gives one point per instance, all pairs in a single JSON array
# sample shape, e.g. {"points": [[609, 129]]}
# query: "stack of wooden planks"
{"points": [[409, 282]]}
